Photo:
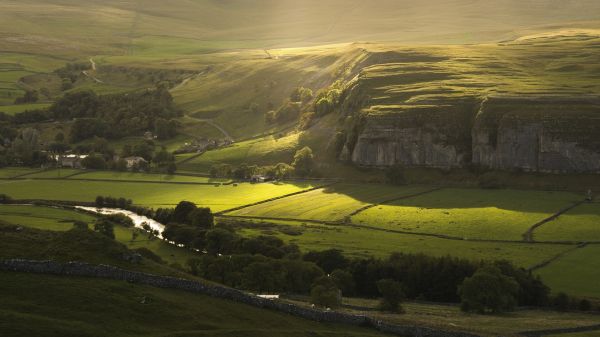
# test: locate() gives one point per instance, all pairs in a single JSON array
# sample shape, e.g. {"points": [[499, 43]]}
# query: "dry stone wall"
{"points": [[108, 272]]}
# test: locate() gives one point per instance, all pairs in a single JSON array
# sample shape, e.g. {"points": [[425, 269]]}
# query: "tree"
{"points": [[165, 129], [392, 295], [182, 211], [94, 162], [263, 277], [220, 241], [329, 260], [488, 290], [344, 281], [80, 225], [201, 217], [304, 161], [325, 293], [105, 228]]}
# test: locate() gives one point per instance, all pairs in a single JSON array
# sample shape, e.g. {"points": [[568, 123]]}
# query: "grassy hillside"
{"points": [[204, 25], [89, 307]]}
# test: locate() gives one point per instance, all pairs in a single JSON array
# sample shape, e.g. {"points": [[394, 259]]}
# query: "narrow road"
{"points": [[87, 73], [216, 126]]}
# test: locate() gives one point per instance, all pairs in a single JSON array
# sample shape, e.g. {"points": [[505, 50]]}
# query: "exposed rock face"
{"points": [[541, 134], [538, 135]]}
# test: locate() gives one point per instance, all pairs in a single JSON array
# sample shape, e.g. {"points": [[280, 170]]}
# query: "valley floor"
{"points": [[360, 219]]}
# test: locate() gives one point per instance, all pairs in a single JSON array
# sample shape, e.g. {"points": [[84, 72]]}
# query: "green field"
{"points": [[469, 213], [576, 273], [579, 224], [108, 175], [332, 203], [47, 218], [53, 173], [450, 317], [13, 109], [149, 194], [365, 242], [84, 307], [263, 151], [11, 172]]}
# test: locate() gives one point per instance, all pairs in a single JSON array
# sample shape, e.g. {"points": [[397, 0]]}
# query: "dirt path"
{"points": [[216, 126], [88, 74]]}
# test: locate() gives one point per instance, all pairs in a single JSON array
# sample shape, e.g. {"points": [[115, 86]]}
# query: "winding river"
{"points": [[138, 220]]}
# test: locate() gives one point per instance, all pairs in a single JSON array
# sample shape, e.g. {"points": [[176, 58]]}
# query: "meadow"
{"points": [[450, 317], [332, 203], [365, 242], [468, 213], [579, 224], [56, 310], [263, 151], [577, 272], [11, 172], [156, 194], [129, 176]]}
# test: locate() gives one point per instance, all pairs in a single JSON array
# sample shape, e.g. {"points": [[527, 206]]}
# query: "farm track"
{"points": [[360, 210], [528, 236]]}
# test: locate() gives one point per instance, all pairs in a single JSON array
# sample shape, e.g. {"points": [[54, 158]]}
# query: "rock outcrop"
{"points": [[537, 134]]}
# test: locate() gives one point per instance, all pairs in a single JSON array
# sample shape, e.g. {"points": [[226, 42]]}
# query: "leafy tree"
{"points": [[488, 290], [201, 217], [80, 225], [263, 277], [30, 96], [329, 260], [94, 161], [105, 227], [165, 129], [182, 212], [392, 295], [220, 241], [325, 293], [344, 280], [304, 161]]}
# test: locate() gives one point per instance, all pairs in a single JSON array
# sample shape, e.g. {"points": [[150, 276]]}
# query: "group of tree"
{"points": [[266, 264], [291, 109], [303, 165]]}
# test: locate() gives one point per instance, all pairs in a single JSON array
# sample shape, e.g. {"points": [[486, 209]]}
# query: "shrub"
{"points": [[105, 227], [488, 290], [392, 295], [325, 293]]}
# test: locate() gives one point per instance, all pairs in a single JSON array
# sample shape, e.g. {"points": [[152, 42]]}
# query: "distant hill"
{"points": [[75, 26]]}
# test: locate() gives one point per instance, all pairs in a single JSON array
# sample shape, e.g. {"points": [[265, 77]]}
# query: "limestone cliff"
{"points": [[539, 134]]}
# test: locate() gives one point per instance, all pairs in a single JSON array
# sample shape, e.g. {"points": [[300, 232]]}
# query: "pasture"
{"points": [[364, 242], [577, 272], [332, 203], [11, 172], [579, 224], [450, 317], [263, 151], [52, 174], [156, 194], [55, 309], [129, 176], [468, 213]]}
